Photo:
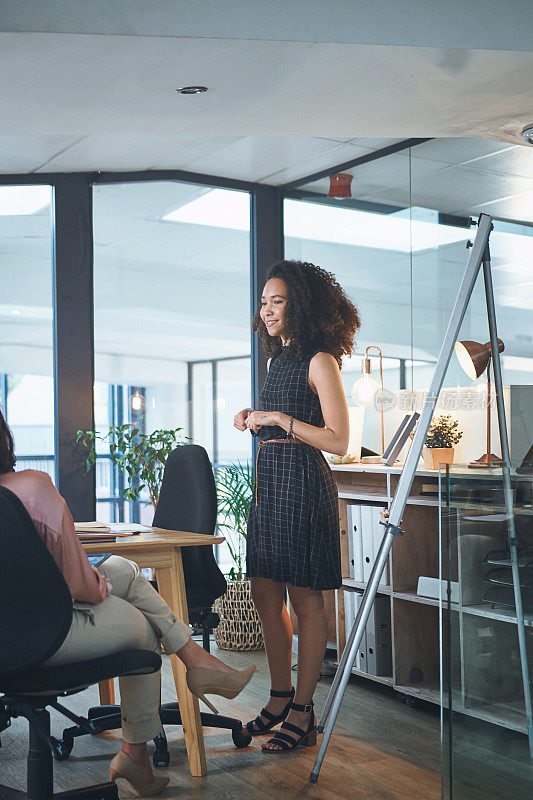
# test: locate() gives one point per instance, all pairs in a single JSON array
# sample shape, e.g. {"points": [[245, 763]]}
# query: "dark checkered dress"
{"points": [[293, 531]]}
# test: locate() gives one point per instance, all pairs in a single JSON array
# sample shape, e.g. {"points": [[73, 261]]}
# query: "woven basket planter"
{"points": [[240, 626]]}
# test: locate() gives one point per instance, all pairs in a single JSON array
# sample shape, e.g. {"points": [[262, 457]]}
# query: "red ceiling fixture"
{"points": [[340, 185]]}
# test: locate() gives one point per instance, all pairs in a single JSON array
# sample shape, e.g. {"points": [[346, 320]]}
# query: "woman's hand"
{"points": [[257, 419], [103, 584], [239, 420]]}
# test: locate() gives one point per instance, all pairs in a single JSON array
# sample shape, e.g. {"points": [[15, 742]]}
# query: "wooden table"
{"points": [[161, 550]]}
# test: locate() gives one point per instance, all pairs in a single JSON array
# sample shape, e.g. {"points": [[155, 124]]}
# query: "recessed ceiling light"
{"points": [[192, 89], [527, 134]]}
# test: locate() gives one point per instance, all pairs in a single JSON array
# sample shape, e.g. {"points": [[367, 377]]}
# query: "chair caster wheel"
{"points": [[241, 738], [62, 748], [401, 697], [412, 702], [161, 758]]}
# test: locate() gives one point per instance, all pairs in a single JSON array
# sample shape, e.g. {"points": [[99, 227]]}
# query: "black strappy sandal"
{"points": [[261, 728], [287, 743]]}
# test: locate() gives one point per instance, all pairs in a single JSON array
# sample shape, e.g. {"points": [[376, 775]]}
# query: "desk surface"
{"points": [[156, 539]]}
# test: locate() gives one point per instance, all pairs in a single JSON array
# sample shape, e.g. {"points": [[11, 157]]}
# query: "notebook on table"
{"points": [[90, 532]]}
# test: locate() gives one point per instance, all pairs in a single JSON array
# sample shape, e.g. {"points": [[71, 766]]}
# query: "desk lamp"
{"points": [[364, 390], [475, 358]]}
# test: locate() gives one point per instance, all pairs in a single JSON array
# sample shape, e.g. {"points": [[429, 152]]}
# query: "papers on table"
{"points": [[96, 531], [91, 527], [128, 527]]}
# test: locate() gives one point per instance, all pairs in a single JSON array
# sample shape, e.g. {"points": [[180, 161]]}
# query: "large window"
{"points": [[26, 323], [172, 319]]}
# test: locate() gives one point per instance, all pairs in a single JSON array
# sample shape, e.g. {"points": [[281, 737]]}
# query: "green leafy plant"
{"points": [[235, 488], [140, 456], [443, 432]]}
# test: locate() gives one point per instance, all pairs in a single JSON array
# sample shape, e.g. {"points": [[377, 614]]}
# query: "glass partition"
{"points": [[171, 319], [485, 673], [26, 324], [396, 236]]}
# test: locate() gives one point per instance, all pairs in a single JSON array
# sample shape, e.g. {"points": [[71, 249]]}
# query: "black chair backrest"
{"points": [[35, 601], [188, 502]]}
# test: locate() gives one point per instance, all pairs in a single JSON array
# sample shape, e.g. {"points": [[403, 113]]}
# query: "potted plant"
{"points": [[240, 626], [140, 456], [440, 440]]}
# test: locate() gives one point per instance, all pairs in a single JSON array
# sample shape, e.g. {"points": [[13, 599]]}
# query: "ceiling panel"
{"points": [[454, 190], [268, 159], [272, 158], [120, 153], [512, 161], [518, 207], [327, 160], [27, 152], [459, 150]]}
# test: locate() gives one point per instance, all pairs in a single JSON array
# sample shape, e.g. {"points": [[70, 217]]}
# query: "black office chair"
{"points": [[35, 617], [187, 502]]}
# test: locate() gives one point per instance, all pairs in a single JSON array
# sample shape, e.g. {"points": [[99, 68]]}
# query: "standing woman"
{"points": [[306, 324]]}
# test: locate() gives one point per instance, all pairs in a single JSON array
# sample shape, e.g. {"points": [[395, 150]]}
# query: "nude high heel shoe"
{"points": [[122, 766], [213, 681]]}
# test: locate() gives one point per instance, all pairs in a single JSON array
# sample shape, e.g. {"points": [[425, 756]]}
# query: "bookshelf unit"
{"points": [[476, 678]]}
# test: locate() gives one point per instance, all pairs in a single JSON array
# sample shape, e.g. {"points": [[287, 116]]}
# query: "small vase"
{"points": [[433, 456]]}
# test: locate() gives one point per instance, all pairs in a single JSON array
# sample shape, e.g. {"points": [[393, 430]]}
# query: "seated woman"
{"points": [[115, 608]]}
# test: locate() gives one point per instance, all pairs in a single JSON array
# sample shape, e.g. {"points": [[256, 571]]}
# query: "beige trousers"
{"points": [[133, 616]]}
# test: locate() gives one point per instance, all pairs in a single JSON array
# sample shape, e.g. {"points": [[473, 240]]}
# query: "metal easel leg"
{"points": [[508, 494], [338, 687]]}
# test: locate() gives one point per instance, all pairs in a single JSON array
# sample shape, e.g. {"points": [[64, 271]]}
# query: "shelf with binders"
{"points": [[365, 534], [414, 629], [472, 526], [374, 654]]}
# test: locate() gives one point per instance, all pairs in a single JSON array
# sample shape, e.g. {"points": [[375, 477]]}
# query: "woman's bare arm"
{"points": [[325, 378]]}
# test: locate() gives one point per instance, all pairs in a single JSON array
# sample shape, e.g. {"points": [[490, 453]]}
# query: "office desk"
{"points": [[161, 550]]}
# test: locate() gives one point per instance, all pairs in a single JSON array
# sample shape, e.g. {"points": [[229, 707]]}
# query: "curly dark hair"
{"points": [[7, 448], [318, 314]]}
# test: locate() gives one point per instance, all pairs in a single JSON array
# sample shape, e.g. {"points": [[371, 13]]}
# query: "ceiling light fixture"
{"points": [[192, 89], [527, 134]]}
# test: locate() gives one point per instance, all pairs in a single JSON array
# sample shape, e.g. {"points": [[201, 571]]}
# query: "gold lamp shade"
{"points": [[474, 357]]}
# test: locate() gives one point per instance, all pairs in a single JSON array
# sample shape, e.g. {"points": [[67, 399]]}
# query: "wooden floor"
{"points": [[381, 750]]}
